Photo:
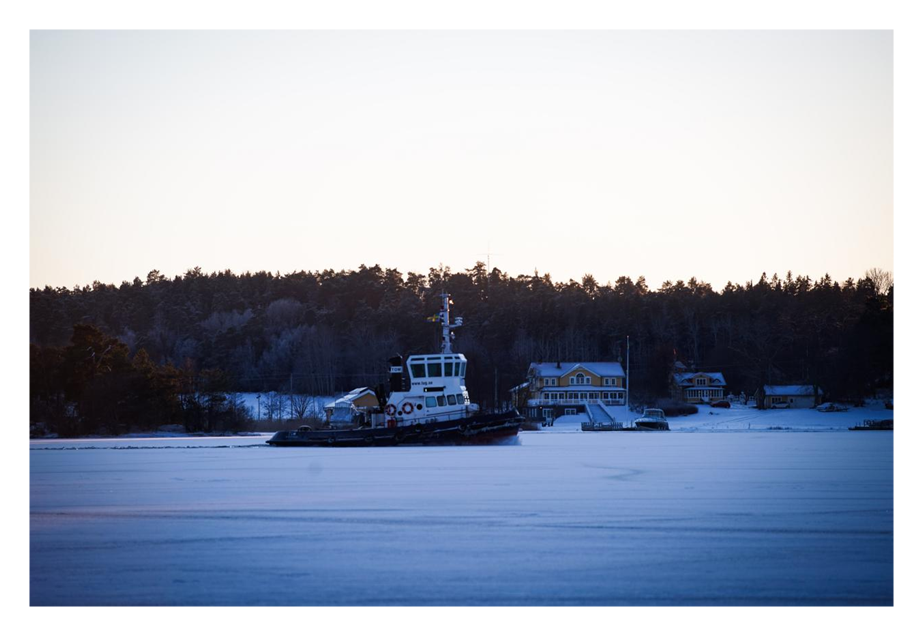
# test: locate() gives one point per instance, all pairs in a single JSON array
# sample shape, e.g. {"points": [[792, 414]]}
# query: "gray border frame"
{"points": [[18, 618]]}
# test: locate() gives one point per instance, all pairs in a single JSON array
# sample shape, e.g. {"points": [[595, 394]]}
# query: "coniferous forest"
{"points": [[115, 358]]}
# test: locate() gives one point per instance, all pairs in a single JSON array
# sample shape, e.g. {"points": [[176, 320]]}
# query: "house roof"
{"points": [[686, 379], [350, 397], [789, 389], [552, 370]]}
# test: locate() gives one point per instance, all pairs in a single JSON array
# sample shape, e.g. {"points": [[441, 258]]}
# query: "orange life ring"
{"points": [[407, 408], [391, 409]]}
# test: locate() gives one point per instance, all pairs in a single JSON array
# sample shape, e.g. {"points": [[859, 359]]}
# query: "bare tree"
{"points": [[881, 279], [300, 405], [275, 405]]}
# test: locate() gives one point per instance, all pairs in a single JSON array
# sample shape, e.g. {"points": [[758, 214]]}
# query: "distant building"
{"points": [[788, 396], [567, 388], [697, 387]]}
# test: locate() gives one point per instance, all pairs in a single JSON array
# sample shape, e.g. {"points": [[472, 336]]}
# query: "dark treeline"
{"points": [[327, 332], [95, 385]]}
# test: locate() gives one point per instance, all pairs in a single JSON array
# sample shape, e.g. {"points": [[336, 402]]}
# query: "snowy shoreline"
{"points": [[736, 419], [742, 419]]}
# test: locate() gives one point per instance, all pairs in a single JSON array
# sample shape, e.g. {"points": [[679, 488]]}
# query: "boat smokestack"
{"points": [[397, 373]]}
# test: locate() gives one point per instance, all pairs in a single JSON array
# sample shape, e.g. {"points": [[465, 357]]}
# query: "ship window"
{"points": [[461, 398], [430, 401], [451, 399], [418, 370], [458, 368], [448, 369], [464, 366], [435, 370], [440, 399]]}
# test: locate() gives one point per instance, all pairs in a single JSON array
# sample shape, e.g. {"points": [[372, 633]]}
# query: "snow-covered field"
{"points": [[763, 518]]}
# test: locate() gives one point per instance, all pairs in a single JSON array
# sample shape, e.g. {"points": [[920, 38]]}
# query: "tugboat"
{"points": [[428, 404]]}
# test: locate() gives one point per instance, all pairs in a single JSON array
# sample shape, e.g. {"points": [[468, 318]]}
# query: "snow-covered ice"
{"points": [[762, 518]]}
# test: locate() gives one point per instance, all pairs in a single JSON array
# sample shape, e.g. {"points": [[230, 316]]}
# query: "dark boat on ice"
{"points": [[428, 404], [874, 425], [652, 420]]}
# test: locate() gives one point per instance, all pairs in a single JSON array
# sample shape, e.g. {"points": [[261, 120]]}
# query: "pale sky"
{"points": [[718, 155]]}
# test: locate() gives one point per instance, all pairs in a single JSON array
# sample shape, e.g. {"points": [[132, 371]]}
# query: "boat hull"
{"points": [[651, 426], [479, 429]]}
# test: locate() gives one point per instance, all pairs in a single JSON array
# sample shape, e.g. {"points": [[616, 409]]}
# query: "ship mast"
{"points": [[447, 326]]}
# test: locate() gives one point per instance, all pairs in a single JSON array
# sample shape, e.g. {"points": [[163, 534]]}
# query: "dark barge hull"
{"points": [[874, 425], [479, 429]]}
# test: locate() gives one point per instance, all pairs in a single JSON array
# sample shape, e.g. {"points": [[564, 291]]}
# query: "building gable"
{"points": [[692, 379], [579, 370]]}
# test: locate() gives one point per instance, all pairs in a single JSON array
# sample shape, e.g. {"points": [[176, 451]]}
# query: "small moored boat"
{"points": [[652, 420]]}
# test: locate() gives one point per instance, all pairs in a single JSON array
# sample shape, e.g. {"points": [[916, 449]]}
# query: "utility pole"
{"points": [[496, 385], [627, 370], [488, 266]]}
